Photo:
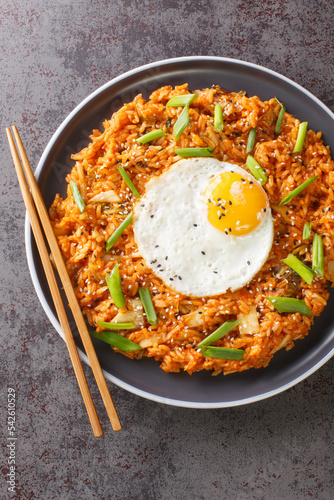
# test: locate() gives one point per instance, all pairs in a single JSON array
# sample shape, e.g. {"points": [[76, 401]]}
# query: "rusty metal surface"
{"points": [[52, 56]]}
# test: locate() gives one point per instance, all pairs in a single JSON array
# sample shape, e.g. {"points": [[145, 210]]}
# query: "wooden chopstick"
{"points": [[43, 252], [73, 302]]}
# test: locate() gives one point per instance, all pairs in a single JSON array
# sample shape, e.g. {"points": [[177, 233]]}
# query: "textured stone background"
{"points": [[53, 54]]}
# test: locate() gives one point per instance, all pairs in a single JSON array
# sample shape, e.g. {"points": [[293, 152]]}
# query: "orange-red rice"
{"points": [[185, 321]]}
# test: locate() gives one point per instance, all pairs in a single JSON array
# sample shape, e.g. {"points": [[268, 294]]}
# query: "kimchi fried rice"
{"points": [[184, 321]]}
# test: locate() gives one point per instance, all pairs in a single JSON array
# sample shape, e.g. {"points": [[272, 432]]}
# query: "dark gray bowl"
{"points": [[145, 378]]}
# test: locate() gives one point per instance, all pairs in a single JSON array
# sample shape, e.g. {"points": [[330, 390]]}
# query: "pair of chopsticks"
{"points": [[32, 200]]}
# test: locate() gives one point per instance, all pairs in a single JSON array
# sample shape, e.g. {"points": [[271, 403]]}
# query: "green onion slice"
{"points": [[117, 233], [289, 305], [300, 137], [146, 299], [193, 152], [251, 140], [181, 100], [113, 281], [117, 326], [298, 190], [150, 136], [77, 196], [218, 120], [300, 268], [224, 329], [222, 352], [128, 181], [307, 230], [256, 169], [181, 123], [117, 340], [318, 255], [280, 118]]}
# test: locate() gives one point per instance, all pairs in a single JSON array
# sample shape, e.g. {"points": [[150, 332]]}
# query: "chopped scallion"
{"points": [[193, 152], [146, 299], [181, 100], [307, 230], [222, 352], [289, 305], [280, 118], [117, 233], [77, 196], [117, 341], [128, 181], [114, 283], [218, 120], [116, 326], [298, 190], [300, 137], [318, 255], [300, 268], [251, 140], [224, 329], [256, 169], [181, 123], [150, 136]]}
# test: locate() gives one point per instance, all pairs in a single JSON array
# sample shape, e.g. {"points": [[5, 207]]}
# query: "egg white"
{"points": [[179, 244]]}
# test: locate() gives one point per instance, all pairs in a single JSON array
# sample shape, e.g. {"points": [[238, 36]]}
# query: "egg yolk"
{"points": [[236, 205]]}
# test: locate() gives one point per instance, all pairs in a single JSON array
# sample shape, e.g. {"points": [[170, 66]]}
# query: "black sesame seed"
{"points": [[203, 253], [156, 246], [166, 258], [195, 225], [179, 277], [248, 262], [171, 279], [230, 203], [151, 216]]}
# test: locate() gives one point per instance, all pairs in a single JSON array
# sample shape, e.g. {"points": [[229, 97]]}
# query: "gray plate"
{"points": [[145, 378]]}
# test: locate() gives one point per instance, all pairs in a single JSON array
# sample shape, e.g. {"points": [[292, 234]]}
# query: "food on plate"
{"points": [[197, 229]]}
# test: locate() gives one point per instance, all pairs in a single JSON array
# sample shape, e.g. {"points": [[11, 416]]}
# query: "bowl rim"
{"points": [[28, 235]]}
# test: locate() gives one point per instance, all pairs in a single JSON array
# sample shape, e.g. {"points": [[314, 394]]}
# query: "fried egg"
{"points": [[204, 226]]}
